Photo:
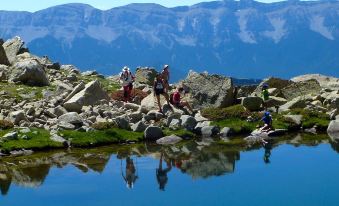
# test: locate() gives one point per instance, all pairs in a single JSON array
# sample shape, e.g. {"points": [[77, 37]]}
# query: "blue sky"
{"points": [[34, 5]]}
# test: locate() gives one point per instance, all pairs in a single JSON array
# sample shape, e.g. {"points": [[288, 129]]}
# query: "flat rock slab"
{"points": [[169, 140]]}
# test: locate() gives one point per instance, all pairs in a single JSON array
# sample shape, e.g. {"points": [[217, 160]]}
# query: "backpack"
{"points": [[171, 98]]}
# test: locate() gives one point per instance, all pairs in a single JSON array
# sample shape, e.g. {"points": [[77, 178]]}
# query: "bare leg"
{"points": [[186, 104], [159, 104], [166, 97]]}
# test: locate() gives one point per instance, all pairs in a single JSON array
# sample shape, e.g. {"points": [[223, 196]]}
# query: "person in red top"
{"points": [[177, 100]]}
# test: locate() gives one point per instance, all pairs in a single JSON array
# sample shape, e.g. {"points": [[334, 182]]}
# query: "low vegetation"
{"points": [[21, 91]]}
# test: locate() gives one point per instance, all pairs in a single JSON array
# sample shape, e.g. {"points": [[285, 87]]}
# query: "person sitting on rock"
{"points": [[176, 100], [165, 77], [267, 119], [127, 79], [265, 95], [159, 89]]}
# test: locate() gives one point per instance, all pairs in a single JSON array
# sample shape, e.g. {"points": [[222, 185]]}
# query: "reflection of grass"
{"points": [[37, 139], [94, 138], [180, 132], [311, 139]]}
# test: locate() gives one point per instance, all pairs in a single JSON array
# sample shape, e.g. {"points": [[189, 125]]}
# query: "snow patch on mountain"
{"points": [[279, 31], [317, 25], [245, 35]]}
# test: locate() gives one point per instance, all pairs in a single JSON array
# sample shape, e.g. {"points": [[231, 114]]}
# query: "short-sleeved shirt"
{"points": [[176, 97], [265, 95], [267, 120]]}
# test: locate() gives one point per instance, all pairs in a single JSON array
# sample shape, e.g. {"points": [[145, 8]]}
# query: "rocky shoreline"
{"points": [[58, 102]]}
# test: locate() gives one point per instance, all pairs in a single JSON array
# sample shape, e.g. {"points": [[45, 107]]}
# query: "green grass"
{"points": [[108, 85], [313, 118], [35, 141], [96, 138], [236, 111], [180, 132], [238, 126], [17, 90]]}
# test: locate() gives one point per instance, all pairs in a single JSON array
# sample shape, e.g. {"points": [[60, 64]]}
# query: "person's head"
{"points": [[125, 69], [265, 86], [267, 114], [166, 67], [180, 89], [158, 76]]}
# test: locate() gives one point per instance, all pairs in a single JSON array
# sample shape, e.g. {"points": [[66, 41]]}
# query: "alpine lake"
{"points": [[290, 171]]}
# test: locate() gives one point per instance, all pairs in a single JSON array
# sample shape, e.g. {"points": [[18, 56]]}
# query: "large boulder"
{"points": [[145, 75], [296, 103], [275, 101], [76, 90], [150, 103], [209, 90], [13, 47], [252, 103], [333, 130], [272, 82], [90, 95], [139, 127], [326, 82], [153, 133], [298, 89], [29, 72], [3, 72], [3, 56]]}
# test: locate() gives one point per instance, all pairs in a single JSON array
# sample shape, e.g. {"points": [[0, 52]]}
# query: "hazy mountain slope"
{"points": [[242, 39]]}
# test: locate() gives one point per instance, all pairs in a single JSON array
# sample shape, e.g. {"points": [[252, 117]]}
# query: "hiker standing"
{"points": [[127, 80], [165, 77], [176, 100], [159, 89], [131, 176]]}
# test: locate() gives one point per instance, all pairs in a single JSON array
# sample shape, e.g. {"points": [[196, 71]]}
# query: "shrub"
{"points": [[4, 124], [104, 125], [232, 112], [119, 95]]}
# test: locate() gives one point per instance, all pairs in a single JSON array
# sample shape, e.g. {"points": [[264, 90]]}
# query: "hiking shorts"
{"points": [[159, 91]]}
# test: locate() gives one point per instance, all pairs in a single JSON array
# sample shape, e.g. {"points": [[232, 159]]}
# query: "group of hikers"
{"points": [[160, 87]]}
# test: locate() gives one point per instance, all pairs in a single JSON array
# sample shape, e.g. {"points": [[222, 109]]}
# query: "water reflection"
{"points": [[196, 159]]}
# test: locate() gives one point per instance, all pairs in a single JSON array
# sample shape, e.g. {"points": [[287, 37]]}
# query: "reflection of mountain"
{"points": [[31, 171]]}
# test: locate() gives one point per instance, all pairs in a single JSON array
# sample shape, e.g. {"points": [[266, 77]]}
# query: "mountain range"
{"points": [[246, 39]]}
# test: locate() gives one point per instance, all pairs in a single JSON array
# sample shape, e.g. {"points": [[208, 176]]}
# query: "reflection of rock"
{"points": [[205, 164]]}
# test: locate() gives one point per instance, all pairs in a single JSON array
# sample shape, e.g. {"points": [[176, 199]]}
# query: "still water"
{"points": [[192, 173]]}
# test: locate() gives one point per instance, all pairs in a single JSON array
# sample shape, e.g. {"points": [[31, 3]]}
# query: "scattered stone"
{"points": [[225, 132], [10, 136], [153, 133], [188, 122], [25, 130], [17, 116], [209, 131], [122, 123], [169, 140], [76, 89], [139, 127], [71, 118], [333, 130], [66, 125]]}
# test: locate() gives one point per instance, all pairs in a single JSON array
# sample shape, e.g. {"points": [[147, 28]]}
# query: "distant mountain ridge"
{"points": [[245, 39]]}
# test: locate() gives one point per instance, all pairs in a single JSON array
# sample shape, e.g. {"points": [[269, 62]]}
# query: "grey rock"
{"points": [[29, 72], [153, 133], [76, 89], [326, 82], [333, 130], [252, 103], [59, 110], [66, 125], [139, 127], [272, 83], [90, 95], [145, 75], [17, 116], [57, 138], [12, 48], [135, 117], [132, 106], [295, 119], [169, 140], [298, 89], [72, 118], [225, 132], [175, 124], [209, 90], [188, 122], [297, 102], [25, 130], [209, 131], [122, 123], [10, 136], [200, 125]]}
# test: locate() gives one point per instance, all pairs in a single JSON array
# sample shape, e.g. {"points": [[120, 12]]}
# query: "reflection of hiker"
{"points": [[176, 100], [267, 119], [127, 80], [265, 95], [165, 77], [267, 155], [131, 175], [162, 173], [159, 88]]}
